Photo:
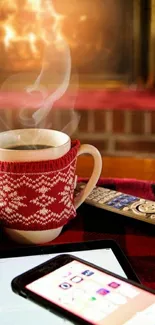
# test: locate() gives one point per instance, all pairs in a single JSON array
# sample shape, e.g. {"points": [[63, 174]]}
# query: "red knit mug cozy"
{"points": [[38, 195]]}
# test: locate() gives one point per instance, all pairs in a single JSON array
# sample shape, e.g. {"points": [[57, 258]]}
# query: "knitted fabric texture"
{"points": [[38, 195]]}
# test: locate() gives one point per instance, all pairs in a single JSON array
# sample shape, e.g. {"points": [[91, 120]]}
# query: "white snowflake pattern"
{"points": [[10, 201], [70, 182], [43, 189], [66, 196], [43, 200], [44, 211], [8, 210], [6, 188]]}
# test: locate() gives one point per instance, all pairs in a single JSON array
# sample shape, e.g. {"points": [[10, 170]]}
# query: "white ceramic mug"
{"points": [[59, 145]]}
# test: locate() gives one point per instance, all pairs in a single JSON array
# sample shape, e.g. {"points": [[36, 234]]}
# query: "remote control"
{"points": [[117, 202]]}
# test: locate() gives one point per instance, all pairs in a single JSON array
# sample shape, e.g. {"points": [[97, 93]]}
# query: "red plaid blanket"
{"points": [[136, 238]]}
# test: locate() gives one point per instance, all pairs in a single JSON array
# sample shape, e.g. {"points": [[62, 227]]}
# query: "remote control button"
{"points": [[126, 209], [127, 200], [122, 196], [109, 197], [103, 201], [136, 204], [98, 196], [101, 194], [96, 199], [134, 210], [105, 190], [90, 197], [94, 193], [112, 192], [116, 197], [141, 214], [116, 205], [147, 207]]}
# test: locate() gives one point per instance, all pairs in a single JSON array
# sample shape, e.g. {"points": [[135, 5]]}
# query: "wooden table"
{"points": [[121, 167]]}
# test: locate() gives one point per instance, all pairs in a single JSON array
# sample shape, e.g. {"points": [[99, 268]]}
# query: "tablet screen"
{"points": [[17, 310]]}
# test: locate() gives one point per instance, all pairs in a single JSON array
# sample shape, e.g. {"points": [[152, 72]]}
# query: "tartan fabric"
{"points": [[136, 238]]}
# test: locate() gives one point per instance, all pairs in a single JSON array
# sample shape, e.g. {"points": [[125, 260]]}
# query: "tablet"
{"points": [[17, 310]]}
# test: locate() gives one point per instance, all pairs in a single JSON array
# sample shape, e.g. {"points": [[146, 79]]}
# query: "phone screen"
{"points": [[94, 296], [15, 310]]}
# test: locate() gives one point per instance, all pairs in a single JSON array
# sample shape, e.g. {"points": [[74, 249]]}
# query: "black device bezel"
{"points": [[72, 247], [19, 283]]}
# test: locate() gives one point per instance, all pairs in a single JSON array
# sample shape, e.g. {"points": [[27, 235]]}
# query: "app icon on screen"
{"points": [[117, 299], [128, 291], [103, 291], [76, 279], [93, 314], [67, 274], [114, 285], [92, 298], [87, 273], [65, 285]]}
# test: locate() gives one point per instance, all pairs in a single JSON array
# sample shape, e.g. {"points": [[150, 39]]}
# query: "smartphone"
{"points": [[87, 294]]}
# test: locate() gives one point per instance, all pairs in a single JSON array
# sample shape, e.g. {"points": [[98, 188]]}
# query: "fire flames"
{"points": [[27, 26]]}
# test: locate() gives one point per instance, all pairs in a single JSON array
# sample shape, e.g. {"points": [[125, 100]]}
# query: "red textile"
{"points": [[137, 239], [121, 99], [28, 199]]}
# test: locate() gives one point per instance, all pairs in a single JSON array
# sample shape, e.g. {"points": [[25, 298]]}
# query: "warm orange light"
{"points": [[10, 35], [26, 26]]}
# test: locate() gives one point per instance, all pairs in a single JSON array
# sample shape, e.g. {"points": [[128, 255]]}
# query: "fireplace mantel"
{"points": [[88, 99]]}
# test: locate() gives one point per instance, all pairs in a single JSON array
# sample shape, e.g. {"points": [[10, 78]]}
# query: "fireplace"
{"points": [[112, 46], [108, 38]]}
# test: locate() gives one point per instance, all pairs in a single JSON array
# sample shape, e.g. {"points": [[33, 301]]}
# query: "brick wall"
{"points": [[118, 132]]}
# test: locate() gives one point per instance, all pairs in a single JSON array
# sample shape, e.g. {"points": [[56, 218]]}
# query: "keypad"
{"points": [[111, 198], [102, 195], [122, 201], [125, 204]]}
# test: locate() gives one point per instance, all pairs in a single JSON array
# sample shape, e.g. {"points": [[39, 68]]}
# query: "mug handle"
{"points": [[89, 149]]}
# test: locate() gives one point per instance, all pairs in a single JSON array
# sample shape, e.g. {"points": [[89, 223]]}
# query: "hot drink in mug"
{"points": [[37, 182]]}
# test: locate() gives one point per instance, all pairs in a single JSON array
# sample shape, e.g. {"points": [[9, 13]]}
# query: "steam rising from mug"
{"points": [[38, 92]]}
